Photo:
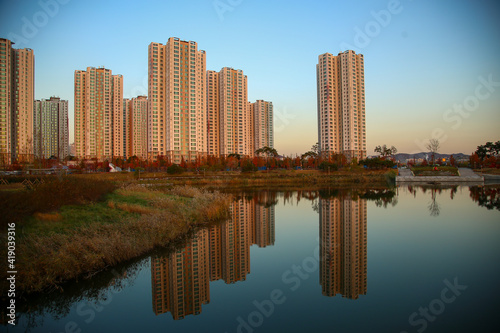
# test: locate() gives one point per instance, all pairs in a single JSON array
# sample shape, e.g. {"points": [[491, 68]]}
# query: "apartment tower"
{"points": [[341, 104], [138, 127], [177, 119], [17, 91], [213, 114], [98, 114], [262, 114], [50, 128]]}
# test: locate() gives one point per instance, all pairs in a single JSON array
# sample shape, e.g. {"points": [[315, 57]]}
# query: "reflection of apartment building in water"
{"points": [[222, 251], [341, 104], [180, 281], [264, 231], [98, 114], [17, 93], [343, 242], [235, 242], [177, 116]]}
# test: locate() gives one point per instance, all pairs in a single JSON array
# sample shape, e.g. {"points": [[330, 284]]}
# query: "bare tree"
{"points": [[433, 147]]}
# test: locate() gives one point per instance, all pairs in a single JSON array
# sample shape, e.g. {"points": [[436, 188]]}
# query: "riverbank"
{"points": [[274, 178], [79, 240], [228, 178]]}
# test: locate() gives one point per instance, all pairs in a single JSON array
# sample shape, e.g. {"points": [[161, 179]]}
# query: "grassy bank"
{"points": [[430, 171], [274, 178], [54, 246]]}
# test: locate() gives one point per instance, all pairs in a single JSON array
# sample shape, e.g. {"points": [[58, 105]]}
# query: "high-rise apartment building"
{"points": [[50, 128], [213, 114], [98, 114], [137, 125], [177, 119], [262, 127], [229, 118], [17, 91], [341, 104], [343, 242], [127, 128], [234, 116]]}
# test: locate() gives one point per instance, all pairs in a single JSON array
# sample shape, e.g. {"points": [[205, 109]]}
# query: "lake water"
{"points": [[414, 259]]}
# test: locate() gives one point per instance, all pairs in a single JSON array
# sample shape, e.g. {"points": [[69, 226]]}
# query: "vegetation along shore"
{"points": [[75, 226]]}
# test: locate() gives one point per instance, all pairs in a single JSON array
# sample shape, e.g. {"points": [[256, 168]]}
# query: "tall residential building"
{"points": [[229, 119], [262, 114], [177, 119], [138, 127], [127, 130], [50, 128], [343, 243], [17, 91], [98, 114], [341, 104], [213, 114]]}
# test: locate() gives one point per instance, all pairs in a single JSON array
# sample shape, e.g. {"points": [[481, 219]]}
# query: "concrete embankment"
{"points": [[465, 176]]}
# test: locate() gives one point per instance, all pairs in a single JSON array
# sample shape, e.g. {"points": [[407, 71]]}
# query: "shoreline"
{"points": [[151, 220]]}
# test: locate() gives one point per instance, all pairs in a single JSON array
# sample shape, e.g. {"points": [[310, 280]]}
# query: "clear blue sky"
{"points": [[420, 60]]}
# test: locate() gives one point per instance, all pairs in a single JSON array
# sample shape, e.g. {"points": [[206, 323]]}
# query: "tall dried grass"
{"points": [[50, 196], [48, 259]]}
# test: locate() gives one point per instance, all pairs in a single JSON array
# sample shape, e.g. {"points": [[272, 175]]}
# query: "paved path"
{"points": [[403, 172], [466, 172], [466, 175]]}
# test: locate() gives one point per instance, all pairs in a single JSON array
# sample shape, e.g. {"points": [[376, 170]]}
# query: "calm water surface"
{"points": [[410, 260]]}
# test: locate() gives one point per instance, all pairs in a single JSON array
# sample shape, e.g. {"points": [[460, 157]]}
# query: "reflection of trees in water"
{"points": [[435, 190], [486, 196], [434, 205], [97, 291], [268, 198]]}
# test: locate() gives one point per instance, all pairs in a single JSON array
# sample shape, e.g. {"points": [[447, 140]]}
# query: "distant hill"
{"points": [[403, 157]]}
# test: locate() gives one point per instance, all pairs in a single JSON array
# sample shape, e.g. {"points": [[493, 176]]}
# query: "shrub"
{"points": [[174, 169], [328, 166], [248, 167]]}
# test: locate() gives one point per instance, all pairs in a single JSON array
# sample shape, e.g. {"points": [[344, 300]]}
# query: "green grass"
{"points": [[429, 171]]}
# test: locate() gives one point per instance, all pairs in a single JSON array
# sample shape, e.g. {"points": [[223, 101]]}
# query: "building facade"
{"points": [[341, 104], [234, 116], [98, 114], [17, 91], [229, 121], [50, 128], [138, 127], [177, 100], [262, 124], [213, 114]]}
